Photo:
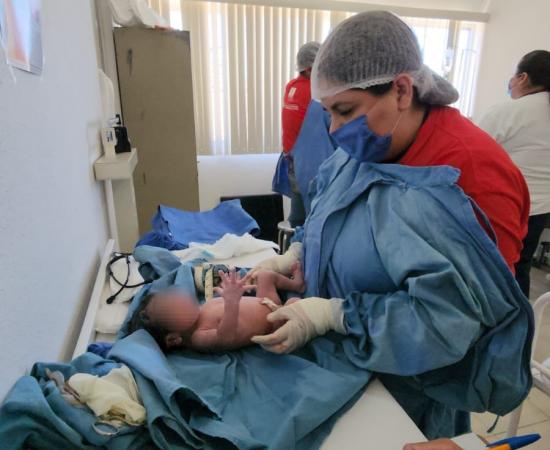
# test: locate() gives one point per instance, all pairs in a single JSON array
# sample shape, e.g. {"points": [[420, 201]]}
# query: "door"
{"points": [[156, 90]]}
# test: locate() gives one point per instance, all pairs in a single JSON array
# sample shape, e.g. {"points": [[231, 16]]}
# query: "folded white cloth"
{"points": [[130, 13], [110, 317], [231, 245], [114, 397]]}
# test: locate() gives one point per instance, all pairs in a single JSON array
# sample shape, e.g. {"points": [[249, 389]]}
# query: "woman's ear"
{"points": [[523, 79], [403, 85]]}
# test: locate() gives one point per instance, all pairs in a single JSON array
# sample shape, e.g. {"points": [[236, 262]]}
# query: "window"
{"points": [[451, 49], [243, 56]]}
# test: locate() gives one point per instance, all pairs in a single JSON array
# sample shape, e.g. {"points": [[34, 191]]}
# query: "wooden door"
{"points": [[154, 74]]}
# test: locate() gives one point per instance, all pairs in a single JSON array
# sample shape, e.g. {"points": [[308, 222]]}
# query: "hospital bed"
{"points": [[375, 421]]}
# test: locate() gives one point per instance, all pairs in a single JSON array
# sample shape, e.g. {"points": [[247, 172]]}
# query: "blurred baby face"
{"points": [[173, 311]]}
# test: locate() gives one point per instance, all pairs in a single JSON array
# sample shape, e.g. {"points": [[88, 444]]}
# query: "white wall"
{"points": [[514, 28], [221, 176], [52, 219]]}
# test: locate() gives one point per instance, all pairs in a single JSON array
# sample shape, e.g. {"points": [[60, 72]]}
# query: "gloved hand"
{"points": [[282, 263], [305, 320]]}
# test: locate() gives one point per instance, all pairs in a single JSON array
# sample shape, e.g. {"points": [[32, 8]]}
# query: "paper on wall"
{"points": [[21, 34]]}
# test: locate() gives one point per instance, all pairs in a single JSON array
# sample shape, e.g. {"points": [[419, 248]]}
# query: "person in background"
{"points": [[522, 127], [296, 100]]}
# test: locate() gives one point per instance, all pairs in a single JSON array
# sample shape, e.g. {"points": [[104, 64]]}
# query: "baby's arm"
{"points": [[231, 290], [225, 336]]}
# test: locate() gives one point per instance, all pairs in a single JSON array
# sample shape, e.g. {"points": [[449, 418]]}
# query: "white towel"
{"points": [[231, 245], [114, 397]]}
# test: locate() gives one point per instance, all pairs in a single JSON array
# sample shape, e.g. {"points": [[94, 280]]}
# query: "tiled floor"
{"points": [[535, 416]]}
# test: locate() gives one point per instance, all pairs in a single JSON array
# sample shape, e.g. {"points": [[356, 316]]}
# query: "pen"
{"points": [[514, 442]]}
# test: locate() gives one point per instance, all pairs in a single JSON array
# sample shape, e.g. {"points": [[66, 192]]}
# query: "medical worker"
{"points": [[522, 127], [296, 100], [416, 223]]}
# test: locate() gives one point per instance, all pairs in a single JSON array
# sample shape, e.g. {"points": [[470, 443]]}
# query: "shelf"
{"points": [[119, 167]]}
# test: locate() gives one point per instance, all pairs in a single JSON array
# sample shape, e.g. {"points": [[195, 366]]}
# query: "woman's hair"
{"points": [[536, 64], [381, 89], [141, 320]]}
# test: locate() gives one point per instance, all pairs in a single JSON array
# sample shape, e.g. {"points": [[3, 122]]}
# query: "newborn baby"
{"points": [[223, 323]]}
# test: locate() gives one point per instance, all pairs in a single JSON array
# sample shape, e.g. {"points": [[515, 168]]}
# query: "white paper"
{"points": [[20, 34]]}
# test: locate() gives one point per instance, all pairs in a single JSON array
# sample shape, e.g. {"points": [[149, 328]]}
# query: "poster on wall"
{"points": [[20, 34]]}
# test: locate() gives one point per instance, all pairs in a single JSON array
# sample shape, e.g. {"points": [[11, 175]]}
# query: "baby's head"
{"points": [[167, 316]]}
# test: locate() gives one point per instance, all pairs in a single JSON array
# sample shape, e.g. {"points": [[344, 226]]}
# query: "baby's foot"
{"points": [[298, 277]]}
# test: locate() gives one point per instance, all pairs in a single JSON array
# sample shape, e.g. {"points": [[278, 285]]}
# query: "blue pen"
{"points": [[515, 442]]}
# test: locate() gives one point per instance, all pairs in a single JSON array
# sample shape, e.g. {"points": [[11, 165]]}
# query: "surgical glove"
{"points": [[304, 320], [282, 263]]}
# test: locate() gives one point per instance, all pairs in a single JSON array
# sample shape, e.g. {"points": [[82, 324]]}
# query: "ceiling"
{"points": [[460, 5]]}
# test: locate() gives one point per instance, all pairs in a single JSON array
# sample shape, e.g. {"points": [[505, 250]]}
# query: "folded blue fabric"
{"points": [[246, 399], [35, 415], [100, 348], [249, 398], [174, 229]]}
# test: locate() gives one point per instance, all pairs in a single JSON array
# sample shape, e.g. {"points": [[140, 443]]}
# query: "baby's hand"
{"points": [[232, 286]]}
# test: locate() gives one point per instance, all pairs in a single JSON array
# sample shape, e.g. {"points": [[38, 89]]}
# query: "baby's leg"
{"points": [[294, 284], [266, 285]]}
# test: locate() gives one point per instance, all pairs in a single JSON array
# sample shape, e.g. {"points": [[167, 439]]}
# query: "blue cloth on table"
{"points": [[35, 415], [100, 348], [250, 398], [234, 395], [313, 146], [430, 304], [246, 399], [174, 229]]}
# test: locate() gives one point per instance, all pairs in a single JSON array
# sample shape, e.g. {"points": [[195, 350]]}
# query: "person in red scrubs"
{"points": [[296, 100]]}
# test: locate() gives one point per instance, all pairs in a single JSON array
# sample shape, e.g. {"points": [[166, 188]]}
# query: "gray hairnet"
{"points": [[306, 55], [369, 49]]}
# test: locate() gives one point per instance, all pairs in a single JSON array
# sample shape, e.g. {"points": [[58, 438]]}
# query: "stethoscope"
{"points": [[116, 257]]}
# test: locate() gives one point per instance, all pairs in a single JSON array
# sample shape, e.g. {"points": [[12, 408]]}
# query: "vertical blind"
{"points": [[243, 56]]}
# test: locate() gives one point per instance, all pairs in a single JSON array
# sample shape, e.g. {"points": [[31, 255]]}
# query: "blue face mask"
{"points": [[360, 142]]}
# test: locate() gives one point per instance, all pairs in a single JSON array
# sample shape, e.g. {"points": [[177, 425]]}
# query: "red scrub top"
{"points": [[295, 103], [488, 175]]}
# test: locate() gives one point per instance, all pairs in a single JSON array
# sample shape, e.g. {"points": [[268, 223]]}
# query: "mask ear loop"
{"points": [[397, 122]]}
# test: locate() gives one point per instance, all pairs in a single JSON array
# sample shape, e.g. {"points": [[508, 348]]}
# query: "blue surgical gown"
{"points": [[430, 305]]}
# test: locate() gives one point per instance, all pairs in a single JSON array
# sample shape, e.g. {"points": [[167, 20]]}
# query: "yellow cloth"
{"points": [[114, 397]]}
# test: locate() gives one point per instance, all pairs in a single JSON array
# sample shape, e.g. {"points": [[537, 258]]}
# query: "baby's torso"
{"points": [[252, 318]]}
